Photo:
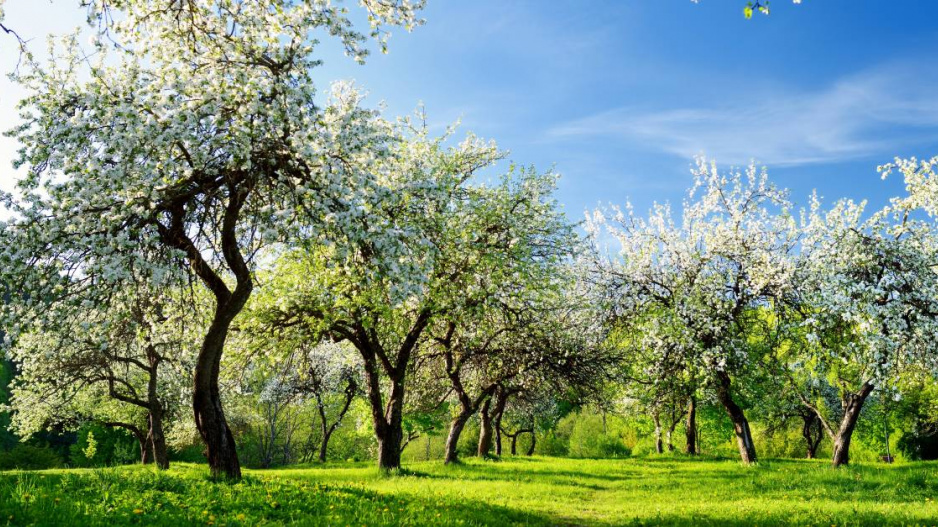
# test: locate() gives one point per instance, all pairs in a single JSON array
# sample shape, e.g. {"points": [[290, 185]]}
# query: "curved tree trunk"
{"points": [[452, 439], [533, 442], [747, 449], [485, 430], [206, 399], [852, 404], [690, 427]]}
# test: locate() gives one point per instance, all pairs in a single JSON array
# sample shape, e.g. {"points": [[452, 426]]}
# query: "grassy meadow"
{"points": [[514, 491]]}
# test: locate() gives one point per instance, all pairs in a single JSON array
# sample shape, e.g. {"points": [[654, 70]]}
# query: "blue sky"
{"points": [[618, 96]]}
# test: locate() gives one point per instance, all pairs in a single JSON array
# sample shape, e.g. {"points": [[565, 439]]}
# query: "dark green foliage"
{"points": [[112, 447], [29, 457], [918, 445]]}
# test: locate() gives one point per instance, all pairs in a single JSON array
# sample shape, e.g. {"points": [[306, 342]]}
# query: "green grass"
{"points": [[518, 491]]}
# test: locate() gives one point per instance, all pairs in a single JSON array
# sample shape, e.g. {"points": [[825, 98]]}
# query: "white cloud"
{"points": [[868, 114]]}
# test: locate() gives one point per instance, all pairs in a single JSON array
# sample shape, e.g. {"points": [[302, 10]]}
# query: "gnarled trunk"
{"points": [[812, 432], [485, 429], [747, 449], [533, 442], [690, 427], [852, 404], [659, 447]]}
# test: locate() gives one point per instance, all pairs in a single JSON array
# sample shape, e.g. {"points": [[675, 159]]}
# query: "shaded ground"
{"points": [[515, 491]]}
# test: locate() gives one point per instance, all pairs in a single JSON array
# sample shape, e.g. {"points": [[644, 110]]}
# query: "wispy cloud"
{"points": [[868, 114]]}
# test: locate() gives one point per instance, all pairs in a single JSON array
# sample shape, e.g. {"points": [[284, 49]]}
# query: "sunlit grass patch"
{"points": [[518, 491]]}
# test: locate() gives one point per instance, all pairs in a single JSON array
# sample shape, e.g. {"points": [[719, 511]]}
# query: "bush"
{"points": [[918, 446], [29, 457], [110, 447]]}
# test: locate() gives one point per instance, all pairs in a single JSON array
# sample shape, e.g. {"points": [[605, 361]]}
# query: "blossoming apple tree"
{"points": [[712, 271], [182, 143]]}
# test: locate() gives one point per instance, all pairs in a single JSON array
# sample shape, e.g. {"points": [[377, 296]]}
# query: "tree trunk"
{"points": [[387, 419], [485, 430], [670, 433], [852, 404], [690, 428], [452, 439], [659, 447], [325, 429], [514, 445], [747, 449], [146, 452], [533, 442], [389, 451], [206, 400], [155, 418], [158, 438], [324, 446], [500, 400], [812, 433]]}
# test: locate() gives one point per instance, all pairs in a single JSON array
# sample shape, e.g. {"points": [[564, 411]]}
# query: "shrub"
{"points": [[29, 457]]}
